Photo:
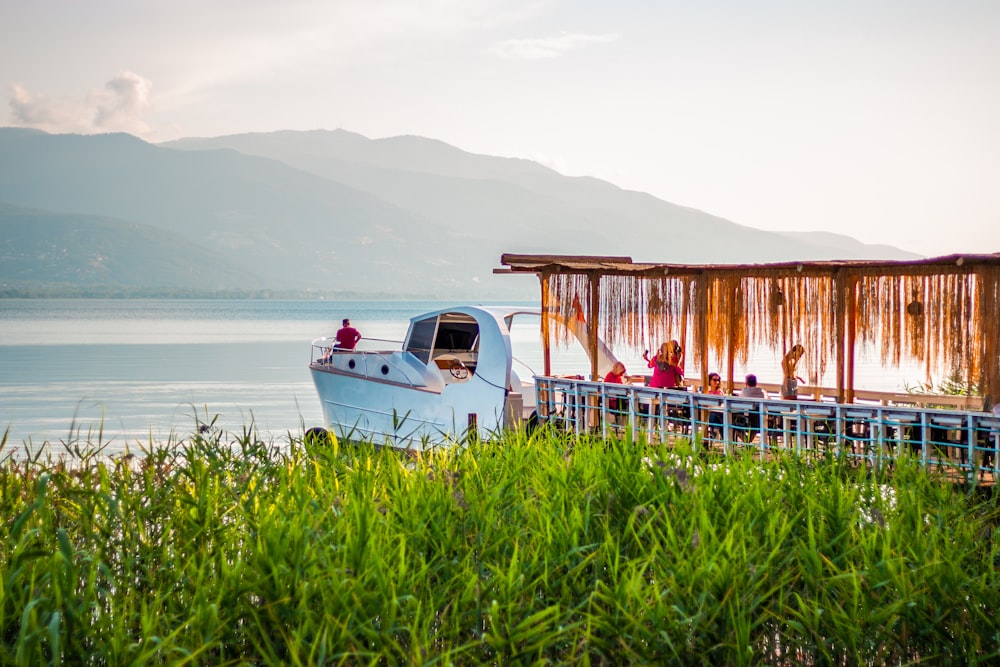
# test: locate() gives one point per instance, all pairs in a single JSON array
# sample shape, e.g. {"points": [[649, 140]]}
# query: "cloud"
{"points": [[117, 107], [548, 47], [122, 103]]}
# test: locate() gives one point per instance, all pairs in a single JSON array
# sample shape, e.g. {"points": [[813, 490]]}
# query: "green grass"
{"points": [[527, 550]]}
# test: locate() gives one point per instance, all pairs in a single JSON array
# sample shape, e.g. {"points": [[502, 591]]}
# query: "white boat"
{"points": [[452, 378]]}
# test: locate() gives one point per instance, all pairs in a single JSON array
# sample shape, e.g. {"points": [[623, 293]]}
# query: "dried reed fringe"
{"points": [[946, 317]]}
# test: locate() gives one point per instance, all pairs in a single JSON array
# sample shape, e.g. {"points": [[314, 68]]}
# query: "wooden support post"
{"points": [[839, 306], [731, 337], [594, 286], [543, 279], [701, 330], [684, 321], [852, 334]]}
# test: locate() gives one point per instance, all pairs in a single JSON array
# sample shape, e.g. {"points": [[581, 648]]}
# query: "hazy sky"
{"points": [[876, 118]]}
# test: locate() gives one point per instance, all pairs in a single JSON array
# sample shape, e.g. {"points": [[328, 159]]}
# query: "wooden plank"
{"points": [[957, 263], [512, 258]]}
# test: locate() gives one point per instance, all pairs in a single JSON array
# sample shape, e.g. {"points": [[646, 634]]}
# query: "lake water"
{"points": [[141, 371]]}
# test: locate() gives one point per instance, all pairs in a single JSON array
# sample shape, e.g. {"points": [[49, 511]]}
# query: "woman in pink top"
{"points": [[667, 365]]}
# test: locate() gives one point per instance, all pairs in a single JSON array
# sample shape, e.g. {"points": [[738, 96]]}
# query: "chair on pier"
{"points": [[679, 417], [746, 420], [988, 444], [858, 432], [948, 436]]}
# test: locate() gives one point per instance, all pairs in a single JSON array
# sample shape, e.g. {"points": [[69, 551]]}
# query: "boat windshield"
{"points": [[448, 333]]}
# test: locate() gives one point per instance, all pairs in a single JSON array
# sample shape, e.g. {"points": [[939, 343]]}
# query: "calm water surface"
{"points": [[142, 370], [138, 371]]}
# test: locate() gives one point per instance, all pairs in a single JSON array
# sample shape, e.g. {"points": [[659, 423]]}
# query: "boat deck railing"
{"points": [[963, 440], [322, 350]]}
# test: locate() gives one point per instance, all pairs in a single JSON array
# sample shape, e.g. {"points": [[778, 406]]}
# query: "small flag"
{"points": [[578, 307]]}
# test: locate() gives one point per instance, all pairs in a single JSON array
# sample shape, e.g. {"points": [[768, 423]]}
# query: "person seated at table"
{"points": [[667, 365], [715, 416], [615, 376], [750, 421], [751, 390], [790, 383]]}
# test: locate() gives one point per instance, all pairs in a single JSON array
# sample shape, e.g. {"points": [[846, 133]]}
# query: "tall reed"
{"points": [[527, 549]]}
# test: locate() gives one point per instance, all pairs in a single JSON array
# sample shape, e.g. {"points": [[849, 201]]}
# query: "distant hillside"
{"points": [[39, 248], [847, 246], [334, 211], [522, 206], [294, 229]]}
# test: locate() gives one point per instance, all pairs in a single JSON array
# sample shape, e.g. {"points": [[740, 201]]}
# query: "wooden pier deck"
{"points": [[960, 442]]}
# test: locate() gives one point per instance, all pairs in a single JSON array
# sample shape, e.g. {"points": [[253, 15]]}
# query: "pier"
{"points": [[956, 440], [941, 314]]}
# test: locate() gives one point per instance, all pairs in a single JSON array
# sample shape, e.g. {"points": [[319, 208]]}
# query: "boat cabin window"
{"points": [[450, 333], [456, 337], [422, 339]]}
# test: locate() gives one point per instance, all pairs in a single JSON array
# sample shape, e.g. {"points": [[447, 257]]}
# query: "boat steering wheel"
{"points": [[458, 370]]}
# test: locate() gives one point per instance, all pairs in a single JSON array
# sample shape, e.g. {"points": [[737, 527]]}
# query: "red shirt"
{"points": [[347, 338], [612, 377]]}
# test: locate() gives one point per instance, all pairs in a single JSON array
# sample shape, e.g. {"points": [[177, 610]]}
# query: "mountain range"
{"points": [[330, 213]]}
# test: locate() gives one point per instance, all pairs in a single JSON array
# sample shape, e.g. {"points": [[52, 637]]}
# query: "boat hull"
{"points": [[400, 415]]}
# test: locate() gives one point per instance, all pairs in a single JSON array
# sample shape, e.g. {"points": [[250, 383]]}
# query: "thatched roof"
{"points": [[942, 312]]}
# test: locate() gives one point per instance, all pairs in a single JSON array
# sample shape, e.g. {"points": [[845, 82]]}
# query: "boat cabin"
{"points": [[450, 341]]}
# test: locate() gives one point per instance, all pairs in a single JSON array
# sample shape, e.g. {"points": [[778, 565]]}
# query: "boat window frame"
{"points": [[422, 341], [420, 326], [470, 330]]}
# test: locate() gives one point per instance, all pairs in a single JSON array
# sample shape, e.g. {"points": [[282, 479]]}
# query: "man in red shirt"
{"points": [[347, 337]]}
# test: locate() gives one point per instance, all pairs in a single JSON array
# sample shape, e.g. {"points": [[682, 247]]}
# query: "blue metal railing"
{"points": [[960, 439]]}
